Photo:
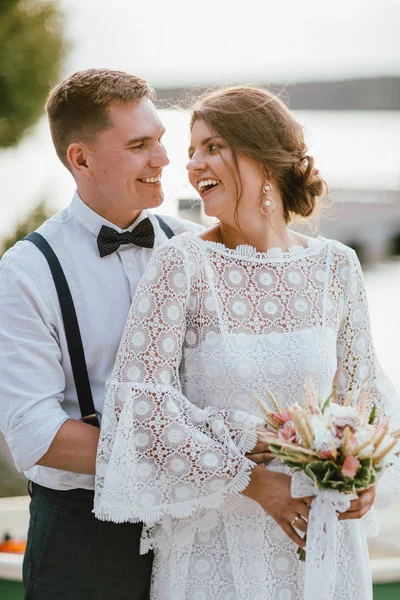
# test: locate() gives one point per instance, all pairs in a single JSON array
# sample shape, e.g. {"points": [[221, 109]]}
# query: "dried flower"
{"points": [[350, 466], [341, 443], [338, 445]]}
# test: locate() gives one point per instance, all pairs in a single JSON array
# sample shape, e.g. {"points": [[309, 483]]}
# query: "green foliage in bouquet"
{"points": [[327, 474], [347, 466], [341, 443]]}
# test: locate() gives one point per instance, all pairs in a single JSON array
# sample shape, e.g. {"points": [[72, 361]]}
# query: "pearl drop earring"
{"points": [[267, 202]]}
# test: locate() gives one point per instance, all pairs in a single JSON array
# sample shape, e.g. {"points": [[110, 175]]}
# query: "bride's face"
{"points": [[218, 180]]}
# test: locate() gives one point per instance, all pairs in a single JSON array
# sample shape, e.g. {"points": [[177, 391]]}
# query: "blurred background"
{"points": [[336, 64]]}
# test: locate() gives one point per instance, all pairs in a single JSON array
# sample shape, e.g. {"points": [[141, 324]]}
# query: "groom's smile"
{"points": [[153, 181], [125, 163]]}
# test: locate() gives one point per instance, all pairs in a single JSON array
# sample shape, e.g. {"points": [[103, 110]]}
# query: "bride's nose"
{"points": [[196, 163]]}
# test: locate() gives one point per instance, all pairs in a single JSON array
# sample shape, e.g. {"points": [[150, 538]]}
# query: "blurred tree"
{"points": [[39, 214], [32, 48]]}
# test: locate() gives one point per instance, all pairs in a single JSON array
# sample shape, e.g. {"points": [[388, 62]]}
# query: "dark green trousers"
{"points": [[71, 555]]}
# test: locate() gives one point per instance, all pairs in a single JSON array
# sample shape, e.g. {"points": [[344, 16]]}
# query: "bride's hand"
{"points": [[360, 506], [260, 452], [272, 491]]}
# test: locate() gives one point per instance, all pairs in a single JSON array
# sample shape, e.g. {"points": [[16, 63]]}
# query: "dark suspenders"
{"points": [[72, 332], [71, 325], [166, 228]]}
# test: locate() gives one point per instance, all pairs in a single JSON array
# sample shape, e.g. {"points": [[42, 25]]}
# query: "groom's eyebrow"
{"points": [[143, 138]]}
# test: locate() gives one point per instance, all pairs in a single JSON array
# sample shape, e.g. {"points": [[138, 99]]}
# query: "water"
{"points": [[383, 291], [357, 149]]}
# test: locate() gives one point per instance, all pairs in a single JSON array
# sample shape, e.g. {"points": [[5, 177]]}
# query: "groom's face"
{"points": [[126, 160]]}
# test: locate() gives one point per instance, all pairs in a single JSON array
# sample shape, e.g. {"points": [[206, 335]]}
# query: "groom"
{"points": [[107, 133]]}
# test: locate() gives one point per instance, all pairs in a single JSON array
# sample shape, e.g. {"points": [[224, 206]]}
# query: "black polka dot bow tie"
{"points": [[109, 240]]}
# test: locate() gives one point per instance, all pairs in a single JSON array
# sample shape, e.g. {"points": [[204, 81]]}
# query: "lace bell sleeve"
{"points": [[358, 366], [158, 453]]}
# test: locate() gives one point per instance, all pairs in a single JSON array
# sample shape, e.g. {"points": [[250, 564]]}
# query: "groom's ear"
{"points": [[76, 155]]}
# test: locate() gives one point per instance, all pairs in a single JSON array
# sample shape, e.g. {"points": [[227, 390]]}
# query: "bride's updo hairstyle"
{"points": [[256, 123]]}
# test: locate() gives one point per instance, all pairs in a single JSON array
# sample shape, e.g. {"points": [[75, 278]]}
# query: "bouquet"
{"points": [[336, 449]]}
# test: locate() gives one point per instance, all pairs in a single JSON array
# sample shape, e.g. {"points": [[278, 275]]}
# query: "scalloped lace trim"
{"points": [[248, 251], [183, 510]]}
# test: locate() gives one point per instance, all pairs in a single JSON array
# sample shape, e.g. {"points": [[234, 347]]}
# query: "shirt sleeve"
{"points": [[31, 377], [159, 454]]}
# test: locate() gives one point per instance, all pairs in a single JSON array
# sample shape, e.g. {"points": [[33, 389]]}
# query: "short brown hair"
{"points": [[77, 107], [255, 122]]}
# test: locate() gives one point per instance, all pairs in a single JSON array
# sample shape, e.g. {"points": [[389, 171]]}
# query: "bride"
{"points": [[217, 317]]}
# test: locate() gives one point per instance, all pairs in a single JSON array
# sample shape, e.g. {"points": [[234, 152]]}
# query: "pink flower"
{"points": [[288, 432], [326, 454], [285, 415], [350, 466]]}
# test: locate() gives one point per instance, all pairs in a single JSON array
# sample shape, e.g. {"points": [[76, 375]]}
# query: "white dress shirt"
{"points": [[37, 390]]}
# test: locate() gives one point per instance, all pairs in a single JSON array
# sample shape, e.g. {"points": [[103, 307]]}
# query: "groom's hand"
{"points": [[260, 453], [360, 506]]}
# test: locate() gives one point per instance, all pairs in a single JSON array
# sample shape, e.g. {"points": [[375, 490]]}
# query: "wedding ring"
{"points": [[293, 521]]}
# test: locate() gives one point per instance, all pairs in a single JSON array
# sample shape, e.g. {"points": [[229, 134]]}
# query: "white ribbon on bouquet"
{"points": [[320, 566]]}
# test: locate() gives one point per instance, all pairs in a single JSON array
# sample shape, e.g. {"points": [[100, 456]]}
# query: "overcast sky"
{"points": [[180, 41]]}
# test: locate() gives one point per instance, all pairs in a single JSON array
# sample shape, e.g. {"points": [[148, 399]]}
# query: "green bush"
{"points": [[32, 48], [39, 214]]}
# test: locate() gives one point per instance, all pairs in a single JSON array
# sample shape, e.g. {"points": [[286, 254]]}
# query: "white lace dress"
{"points": [[209, 327]]}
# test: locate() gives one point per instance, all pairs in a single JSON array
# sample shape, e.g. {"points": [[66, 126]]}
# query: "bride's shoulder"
{"points": [[342, 251], [321, 241], [182, 245], [344, 264]]}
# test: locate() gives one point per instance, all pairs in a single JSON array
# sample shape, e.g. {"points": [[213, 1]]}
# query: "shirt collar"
{"points": [[93, 221]]}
